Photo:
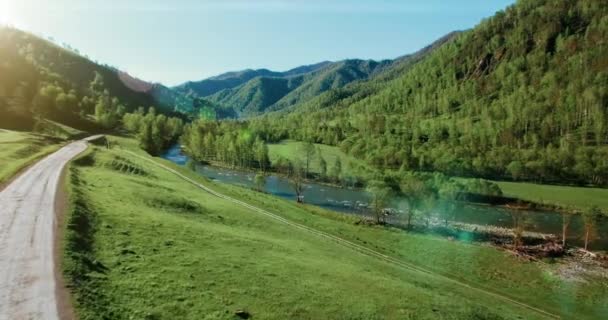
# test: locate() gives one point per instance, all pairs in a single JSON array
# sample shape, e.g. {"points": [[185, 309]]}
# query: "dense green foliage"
{"points": [[233, 143], [39, 79], [521, 97], [155, 132], [226, 142], [253, 92], [231, 80]]}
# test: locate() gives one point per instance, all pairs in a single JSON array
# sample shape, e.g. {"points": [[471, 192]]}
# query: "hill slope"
{"points": [[172, 250], [522, 96], [38, 77]]}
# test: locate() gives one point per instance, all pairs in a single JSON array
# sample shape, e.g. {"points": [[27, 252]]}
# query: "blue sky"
{"points": [[175, 41]]}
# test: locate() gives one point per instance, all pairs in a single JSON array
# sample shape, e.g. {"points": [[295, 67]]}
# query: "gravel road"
{"points": [[27, 234]]}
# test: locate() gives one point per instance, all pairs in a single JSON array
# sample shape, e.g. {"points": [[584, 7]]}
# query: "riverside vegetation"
{"points": [[515, 107], [188, 245]]}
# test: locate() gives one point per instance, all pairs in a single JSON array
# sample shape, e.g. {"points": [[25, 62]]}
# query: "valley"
{"points": [[467, 179], [181, 235]]}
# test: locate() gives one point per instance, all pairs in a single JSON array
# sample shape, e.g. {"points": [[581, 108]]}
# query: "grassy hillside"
{"points": [[20, 149], [170, 250], [39, 78]]}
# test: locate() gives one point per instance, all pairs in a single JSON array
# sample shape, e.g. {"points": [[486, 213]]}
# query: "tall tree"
{"points": [[296, 179], [309, 152], [591, 218]]}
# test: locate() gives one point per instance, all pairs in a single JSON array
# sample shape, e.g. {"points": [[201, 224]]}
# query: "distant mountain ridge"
{"points": [[233, 79], [251, 92]]}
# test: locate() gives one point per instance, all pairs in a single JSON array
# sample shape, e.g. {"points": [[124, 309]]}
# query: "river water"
{"points": [[356, 201]]}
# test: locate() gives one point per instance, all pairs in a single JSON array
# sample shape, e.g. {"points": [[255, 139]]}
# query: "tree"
{"points": [[566, 220], [322, 165], [260, 181], [380, 193], [336, 171], [309, 153], [296, 180], [591, 218], [260, 150], [416, 192], [146, 139], [519, 227], [515, 169], [449, 193]]}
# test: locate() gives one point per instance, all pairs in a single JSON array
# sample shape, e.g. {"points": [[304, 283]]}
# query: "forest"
{"points": [[40, 81], [521, 97]]}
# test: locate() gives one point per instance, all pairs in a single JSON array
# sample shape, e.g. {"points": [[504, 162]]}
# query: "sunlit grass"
{"points": [[163, 249], [19, 149], [563, 196], [292, 150]]}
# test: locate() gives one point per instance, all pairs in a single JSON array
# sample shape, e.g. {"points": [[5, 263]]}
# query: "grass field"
{"points": [[19, 149], [144, 244], [562, 196], [292, 150]]}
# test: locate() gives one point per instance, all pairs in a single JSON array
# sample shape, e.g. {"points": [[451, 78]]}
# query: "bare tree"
{"points": [[566, 220], [591, 218], [296, 179], [520, 223]]}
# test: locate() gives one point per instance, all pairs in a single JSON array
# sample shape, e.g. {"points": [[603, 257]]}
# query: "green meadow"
{"points": [[20, 149], [292, 150], [142, 243], [562, 196]]}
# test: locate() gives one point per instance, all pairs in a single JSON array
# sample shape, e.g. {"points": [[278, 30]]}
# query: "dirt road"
{"points": [[27, 234]]}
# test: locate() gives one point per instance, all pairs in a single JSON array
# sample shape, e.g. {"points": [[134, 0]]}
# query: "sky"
{"points": [[187, 40]]}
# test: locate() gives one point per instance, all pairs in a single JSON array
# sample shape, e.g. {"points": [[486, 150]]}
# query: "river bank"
{"points": [[356, 202]]}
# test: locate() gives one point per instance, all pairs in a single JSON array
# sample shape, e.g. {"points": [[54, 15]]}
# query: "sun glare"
{"points": [[6, 11]]}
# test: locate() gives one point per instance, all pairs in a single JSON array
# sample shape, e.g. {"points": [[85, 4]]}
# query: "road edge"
{"points": [[65, 306]]}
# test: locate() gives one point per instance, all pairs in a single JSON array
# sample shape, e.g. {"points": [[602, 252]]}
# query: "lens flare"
{"points": [[6, 11]]}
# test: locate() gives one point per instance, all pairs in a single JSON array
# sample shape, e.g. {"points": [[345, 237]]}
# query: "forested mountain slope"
{"points": [[252, 92], [521, 96], [274, 93], [41, 79], [231, 80]]}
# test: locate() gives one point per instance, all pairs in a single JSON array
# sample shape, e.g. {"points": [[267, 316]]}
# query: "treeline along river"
{"points": [[357, 201]]}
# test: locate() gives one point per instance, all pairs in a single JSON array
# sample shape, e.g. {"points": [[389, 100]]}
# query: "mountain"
{"points": [[522, 96], [38, 77], [266, 93], [231, 80], [253, 92]]}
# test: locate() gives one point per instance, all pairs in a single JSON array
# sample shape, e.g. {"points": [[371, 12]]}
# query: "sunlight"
{"points": [[7, 11]]}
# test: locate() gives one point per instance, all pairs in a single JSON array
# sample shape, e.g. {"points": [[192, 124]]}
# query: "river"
{"points": [[356, 201]]}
